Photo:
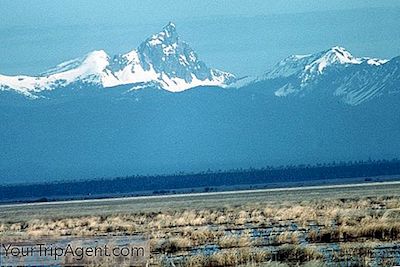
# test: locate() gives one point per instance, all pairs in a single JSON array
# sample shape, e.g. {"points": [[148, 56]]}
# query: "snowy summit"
{"points": [[353, 79], [313, 65], [162, 60]]}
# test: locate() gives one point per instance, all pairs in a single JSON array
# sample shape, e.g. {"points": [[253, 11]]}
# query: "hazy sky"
{"points": [[45, 12], [244, 37]]}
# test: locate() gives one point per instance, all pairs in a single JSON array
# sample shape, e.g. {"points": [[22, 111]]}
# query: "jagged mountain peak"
{"points": [[170, 30], [170, 26], [177, 63], [167, 36]]}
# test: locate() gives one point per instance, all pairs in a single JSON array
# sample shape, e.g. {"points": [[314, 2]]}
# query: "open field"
{"points": [[350, 225]]}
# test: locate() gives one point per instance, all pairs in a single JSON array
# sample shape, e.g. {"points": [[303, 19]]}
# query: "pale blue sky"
{"points": [[244, 37]]}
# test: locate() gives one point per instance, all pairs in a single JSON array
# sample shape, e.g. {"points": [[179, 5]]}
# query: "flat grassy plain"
{"points": [[346, 225]]}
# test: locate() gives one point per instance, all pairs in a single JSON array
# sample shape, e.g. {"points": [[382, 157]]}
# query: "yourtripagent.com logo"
{"points": [[117, 251]]}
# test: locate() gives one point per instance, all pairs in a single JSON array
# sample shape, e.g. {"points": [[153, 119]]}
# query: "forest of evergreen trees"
{"points": [[209, 180]]}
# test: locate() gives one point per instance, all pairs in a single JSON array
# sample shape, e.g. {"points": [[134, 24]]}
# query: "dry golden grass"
{"points": [[233, 229], [229, 257]]}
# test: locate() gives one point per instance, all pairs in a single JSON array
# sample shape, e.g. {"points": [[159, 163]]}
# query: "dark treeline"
{"points": [[186, 181]]}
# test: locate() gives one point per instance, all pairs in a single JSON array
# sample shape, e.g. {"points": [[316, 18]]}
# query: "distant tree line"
{"points": [[138, 184]]}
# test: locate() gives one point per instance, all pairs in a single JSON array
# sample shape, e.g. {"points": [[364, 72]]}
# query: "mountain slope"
{"points": [[333, 72], [163, 60], [155, 131]]}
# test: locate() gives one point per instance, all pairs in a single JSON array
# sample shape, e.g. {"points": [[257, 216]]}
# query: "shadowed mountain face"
{"points": [[133, 114]]}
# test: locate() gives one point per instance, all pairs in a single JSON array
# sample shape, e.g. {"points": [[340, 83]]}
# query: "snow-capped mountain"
{"points": [[165, 61], [162, 60], [89, 133], [337, 72], [310, 66]]}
